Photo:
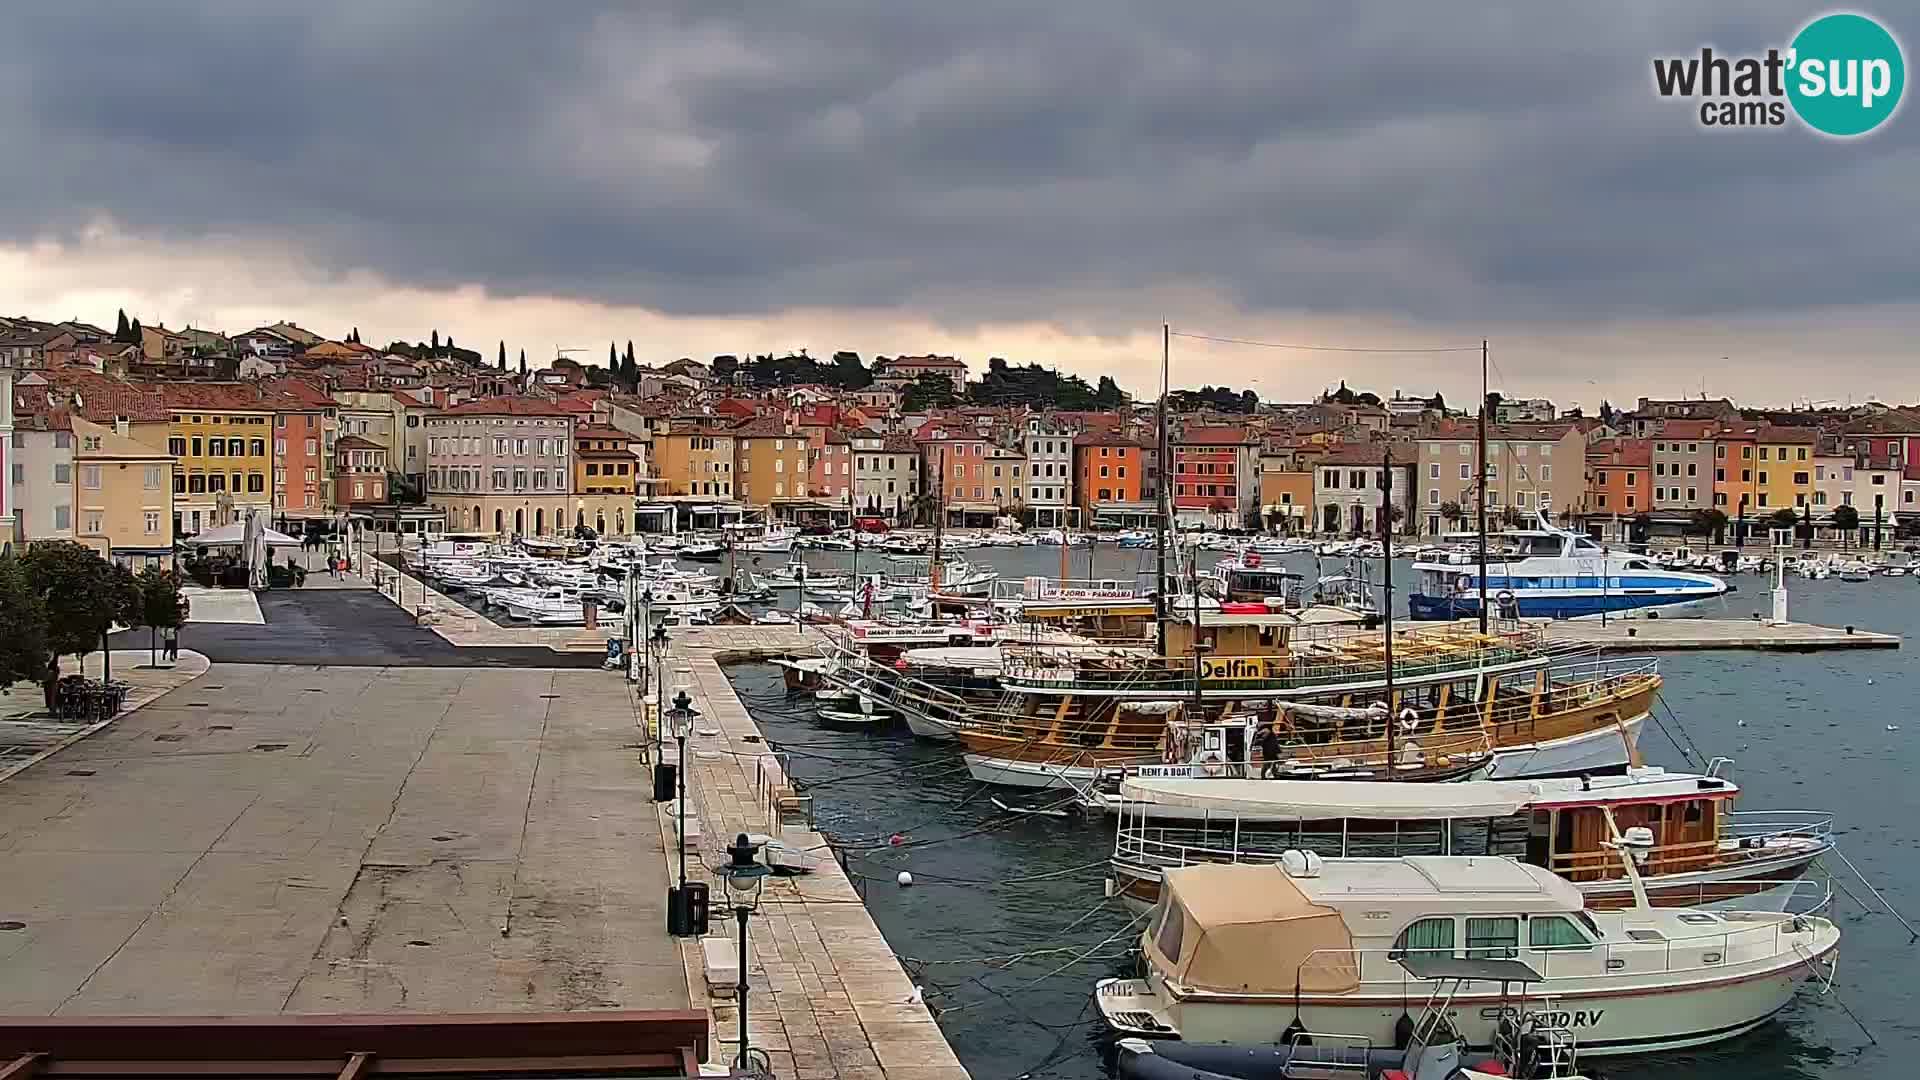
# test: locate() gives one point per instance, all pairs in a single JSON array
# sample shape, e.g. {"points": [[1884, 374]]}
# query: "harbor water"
{"points": [[1006, 929]]}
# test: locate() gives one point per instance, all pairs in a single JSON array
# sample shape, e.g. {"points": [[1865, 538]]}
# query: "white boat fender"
{"points": [[903, 879]]}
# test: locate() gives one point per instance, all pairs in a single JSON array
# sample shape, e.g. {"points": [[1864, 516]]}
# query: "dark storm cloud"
{"points": [[973, 161]]}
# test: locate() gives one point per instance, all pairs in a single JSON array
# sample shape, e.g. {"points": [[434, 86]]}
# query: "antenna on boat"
{"points": [[1166, 473], [1480, 485]]}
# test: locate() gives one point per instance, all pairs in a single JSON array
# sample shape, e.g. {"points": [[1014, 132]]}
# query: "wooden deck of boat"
{"points": [[1651, 635]]}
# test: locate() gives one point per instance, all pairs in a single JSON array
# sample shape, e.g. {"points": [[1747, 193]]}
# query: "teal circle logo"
{"points": [[1846, 74]]}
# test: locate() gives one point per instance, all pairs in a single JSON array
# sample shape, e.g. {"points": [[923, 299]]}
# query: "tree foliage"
{"points": [[23, 625], [83, 594], [161, 605], [725, 368], [1846, 517], [931, 390], [122, 328], [1218, 398]]}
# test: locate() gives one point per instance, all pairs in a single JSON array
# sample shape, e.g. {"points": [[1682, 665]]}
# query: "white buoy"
{"points": [[903, 878]]}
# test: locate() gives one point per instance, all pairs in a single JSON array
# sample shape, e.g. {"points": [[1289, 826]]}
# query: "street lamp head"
{"points": [[745, 873], [646, 596]]}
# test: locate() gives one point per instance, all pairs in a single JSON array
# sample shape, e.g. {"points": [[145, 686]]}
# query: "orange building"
{"points": [[1733, 469], [1107, 474], [1619, 477], [304, 422]]}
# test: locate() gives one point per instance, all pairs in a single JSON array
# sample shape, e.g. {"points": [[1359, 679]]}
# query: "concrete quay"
{"points": [[1658, 635], [827, 996]]}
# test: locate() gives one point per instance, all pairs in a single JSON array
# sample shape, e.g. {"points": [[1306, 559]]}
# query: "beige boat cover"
{"points": [[1250, 930]]}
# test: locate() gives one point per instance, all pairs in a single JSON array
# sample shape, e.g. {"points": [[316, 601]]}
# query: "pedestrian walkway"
{"points": [[828, 997], [28, 734]]}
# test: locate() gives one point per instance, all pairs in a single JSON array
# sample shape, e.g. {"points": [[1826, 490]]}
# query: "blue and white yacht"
{"points": [[1551, 573]]}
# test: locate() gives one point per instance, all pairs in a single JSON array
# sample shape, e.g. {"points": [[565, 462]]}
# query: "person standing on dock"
{"points": [[1269, 752]]}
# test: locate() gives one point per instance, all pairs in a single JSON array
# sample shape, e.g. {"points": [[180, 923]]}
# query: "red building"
{"points": [[1215, 474], [359, 472]]}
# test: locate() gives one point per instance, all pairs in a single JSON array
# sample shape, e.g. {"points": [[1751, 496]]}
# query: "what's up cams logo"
{"points": [[1842, 76]]}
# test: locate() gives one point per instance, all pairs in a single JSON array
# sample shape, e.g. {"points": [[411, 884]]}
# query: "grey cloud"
{"points": [[980, 161]]}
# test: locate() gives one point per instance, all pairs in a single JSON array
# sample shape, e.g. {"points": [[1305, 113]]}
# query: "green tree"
{"points": [[930, 390], [121, 328], [84, 595], [1846, 519], [161, 605], [1708, 521], [1107, 396], [848, 373], [1451, 512], [435, 342], [503, 354], [1784, 518], [613, 358], [134, 332], [23, 625], [724, 368], [523, 361]]}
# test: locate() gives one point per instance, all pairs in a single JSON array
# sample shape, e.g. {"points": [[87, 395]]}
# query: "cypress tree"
{"points": [[436, 342], [503, 354], [613, 358], [523, 361], [133, 332], [120, 328]]}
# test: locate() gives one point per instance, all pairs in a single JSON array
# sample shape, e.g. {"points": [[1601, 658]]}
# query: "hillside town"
{"points": [[127, 440]]}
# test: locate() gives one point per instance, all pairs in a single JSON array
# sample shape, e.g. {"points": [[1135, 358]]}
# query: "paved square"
{"points": [[342, 839]]}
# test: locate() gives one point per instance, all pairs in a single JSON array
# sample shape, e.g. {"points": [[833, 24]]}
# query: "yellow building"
{"points": [[123, 495], [770, 462], [695, 459], [222, 444], [1783, 468]]}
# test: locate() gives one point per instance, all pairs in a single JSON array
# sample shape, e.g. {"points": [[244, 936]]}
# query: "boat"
{"points": [[1062, 722], [1536, 1046], [796, 573], [1237, 954], [1557, 574], [551, 606], [1703, 853], [703, 551]]}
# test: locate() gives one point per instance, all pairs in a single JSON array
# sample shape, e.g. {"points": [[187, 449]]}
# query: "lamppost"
{"points": [[657, 648], [682, 719], [745, 878], [643, 623]]}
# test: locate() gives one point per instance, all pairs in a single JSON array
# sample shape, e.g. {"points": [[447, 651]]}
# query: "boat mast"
{"points": [[1160, 532], [1386, 607], [1480, 485], [939, 522]]}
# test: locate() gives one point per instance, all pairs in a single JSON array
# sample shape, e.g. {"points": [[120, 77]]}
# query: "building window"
{"points": [[63, 474], [63, 517], [90, 476], [153, 522], [177, 446]]}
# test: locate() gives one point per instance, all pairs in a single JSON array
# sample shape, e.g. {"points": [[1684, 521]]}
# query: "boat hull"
{"points": [[1427, 608], [1607, 1022], [1599, 751]]}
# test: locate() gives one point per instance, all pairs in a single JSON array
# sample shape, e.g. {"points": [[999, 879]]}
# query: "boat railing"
{"points": [[1225, 842], [1749, 826], [1750, 937], [1046, 670]]}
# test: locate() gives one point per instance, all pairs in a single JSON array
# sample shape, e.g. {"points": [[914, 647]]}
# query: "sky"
{"points": [[1046, 182]]}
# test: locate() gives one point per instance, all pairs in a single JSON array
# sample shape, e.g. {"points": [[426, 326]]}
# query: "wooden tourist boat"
{"points": [[1701, 850], [1573, 718]]}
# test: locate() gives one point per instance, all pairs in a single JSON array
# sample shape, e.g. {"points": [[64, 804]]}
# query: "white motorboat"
{"points": [[551, 606], [1235, 954], [796, 573]]}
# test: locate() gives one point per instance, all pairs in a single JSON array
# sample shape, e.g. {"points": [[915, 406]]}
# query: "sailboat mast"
{"points": [[939, 522], [1480, 486], [1386, 607], [1166, 472]]}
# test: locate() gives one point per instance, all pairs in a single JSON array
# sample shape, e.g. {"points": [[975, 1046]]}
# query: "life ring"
{"points": [[1212, 762], [1463, 582], [1409, 720]]}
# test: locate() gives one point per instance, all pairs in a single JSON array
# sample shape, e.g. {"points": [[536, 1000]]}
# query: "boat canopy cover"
{"points": [[1249, 933], [1331, 800]]}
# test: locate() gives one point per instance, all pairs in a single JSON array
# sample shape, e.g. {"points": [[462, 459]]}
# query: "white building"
{"points": [[1049, 472]]}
